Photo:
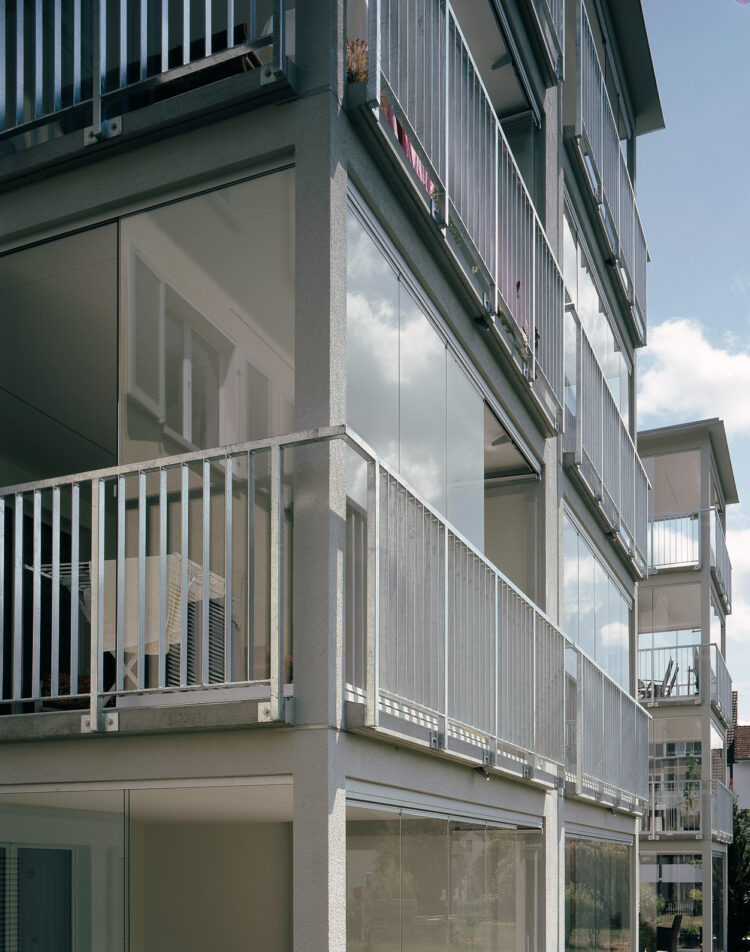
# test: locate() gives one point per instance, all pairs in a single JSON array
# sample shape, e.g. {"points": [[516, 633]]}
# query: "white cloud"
{"points": [[684, 377]]}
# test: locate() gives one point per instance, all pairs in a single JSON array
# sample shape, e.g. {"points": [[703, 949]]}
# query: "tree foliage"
{"points": [[738, 876]]}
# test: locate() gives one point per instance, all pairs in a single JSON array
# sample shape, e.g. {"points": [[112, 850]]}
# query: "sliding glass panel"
{"points": [[206, 292], [58, 360]]}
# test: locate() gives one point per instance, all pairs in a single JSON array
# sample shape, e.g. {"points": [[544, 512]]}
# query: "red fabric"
{"points": [[409, 150]]}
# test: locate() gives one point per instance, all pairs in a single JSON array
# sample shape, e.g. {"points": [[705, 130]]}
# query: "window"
{"points": [[597, 895], [36, 898], [175, 372]]}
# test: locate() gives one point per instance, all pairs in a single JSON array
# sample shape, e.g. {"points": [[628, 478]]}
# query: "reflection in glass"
{"points": [[64, 854], [717, 901], [465, 429], [671, 901], [597, 895], [429, 883]]}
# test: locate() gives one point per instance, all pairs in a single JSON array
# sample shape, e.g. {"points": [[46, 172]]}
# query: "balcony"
{"points": [[722, 816], [99, 70], [675, 674], [674, 542], [170, 581], [604, 168], [427, 103], [599, 449], [551, 17], [721, 567], [675, 810]]}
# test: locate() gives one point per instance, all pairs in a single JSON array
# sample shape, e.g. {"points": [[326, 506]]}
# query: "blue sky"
{"points": [[693, 186]]}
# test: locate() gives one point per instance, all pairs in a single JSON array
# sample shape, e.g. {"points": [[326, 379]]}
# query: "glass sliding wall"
{"points": [[671, 906], [433, 883], [597, 895], [58, 360]]}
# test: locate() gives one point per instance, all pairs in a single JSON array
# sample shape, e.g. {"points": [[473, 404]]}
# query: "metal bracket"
{"points": [[268, 75], [488, 758], [109, 129], [264, 713], [109, 723], [436, 740]]}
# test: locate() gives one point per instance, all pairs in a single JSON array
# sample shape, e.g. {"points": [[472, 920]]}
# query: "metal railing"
{"points": [[676, 673], [437, 635], [720, 563], [81, 64], [167, 575], [598, 135], [599, 444], [421, 65], [674, 807], [722, 815], [674, 540], [551, 14]]}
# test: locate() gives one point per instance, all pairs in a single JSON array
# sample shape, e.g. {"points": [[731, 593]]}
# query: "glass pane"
{"points": [[205, 385], [465, 464], [65, 853], [58, 361], [373, 881], [220, 271], [174, 372], [425, 887], [372, 333], [570, 568], [717, 899]]}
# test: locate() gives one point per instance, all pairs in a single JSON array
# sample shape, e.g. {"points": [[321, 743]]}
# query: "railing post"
{"points": [[373, 54], [372, 632], [447, 86], [579, 395], [579, 722], [276, 584], [96, 571], [279, 36]]}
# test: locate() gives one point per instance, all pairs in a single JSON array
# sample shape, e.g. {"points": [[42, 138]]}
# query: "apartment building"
{"points": [[684, 682], [322, 518]]}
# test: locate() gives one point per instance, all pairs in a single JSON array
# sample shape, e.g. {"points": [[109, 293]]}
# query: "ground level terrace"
{"points": [[356, 847]]}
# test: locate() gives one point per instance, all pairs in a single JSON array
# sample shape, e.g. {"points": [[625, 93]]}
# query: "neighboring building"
{"points": [[683, 680], [738, 757], [330, 642]]}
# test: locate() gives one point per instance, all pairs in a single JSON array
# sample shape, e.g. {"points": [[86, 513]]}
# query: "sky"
{"points": [[693, 188]]}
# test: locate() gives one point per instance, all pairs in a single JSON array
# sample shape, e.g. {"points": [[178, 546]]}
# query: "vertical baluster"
{"points": [[75, 507], [55, 689], [251, 566], [76, 51], [279, 44], [38, 61], [97, 598], [18, 598], [3, 101], [123, 27], [207, 27], [228, 613], [185, 31], [141, 669], [120, 646], [164, 35], [205, 615], [36, 597], [276, 586], [253, 13], [19, 62], [2, 592], [163, 646], [143, 41], [230, 24], [372, 631], [184, 579]]}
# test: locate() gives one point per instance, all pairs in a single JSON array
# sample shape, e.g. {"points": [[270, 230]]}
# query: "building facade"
{"points": [[684, 682], [323, 516]]}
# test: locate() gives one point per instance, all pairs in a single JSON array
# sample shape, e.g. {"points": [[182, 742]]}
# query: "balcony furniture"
{"points": [[666, 937]]}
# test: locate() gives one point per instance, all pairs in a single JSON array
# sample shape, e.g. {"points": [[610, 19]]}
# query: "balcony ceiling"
{"points": [[632, 40], [492, 57]]}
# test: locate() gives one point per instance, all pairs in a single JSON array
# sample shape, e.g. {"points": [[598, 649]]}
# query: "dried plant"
{"points": [[356, 61]]}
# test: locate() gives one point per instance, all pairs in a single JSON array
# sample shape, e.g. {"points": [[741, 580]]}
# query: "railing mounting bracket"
{"points": [[436, 740], [109, 129]]}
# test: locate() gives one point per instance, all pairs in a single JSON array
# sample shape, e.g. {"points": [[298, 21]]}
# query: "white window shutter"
{"points": [[257, 404], [146, 338]]}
